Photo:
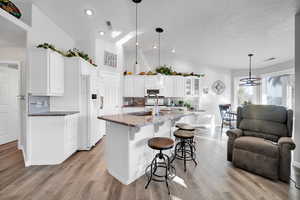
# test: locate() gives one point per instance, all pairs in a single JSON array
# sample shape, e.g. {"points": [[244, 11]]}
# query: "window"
{"points": [[278, 89], [245, 94]]}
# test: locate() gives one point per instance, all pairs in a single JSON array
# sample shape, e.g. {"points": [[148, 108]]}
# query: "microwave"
{"points": [[152, 92]]}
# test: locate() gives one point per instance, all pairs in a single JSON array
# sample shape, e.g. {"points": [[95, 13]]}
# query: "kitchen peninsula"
{"points": [[127, 135]]}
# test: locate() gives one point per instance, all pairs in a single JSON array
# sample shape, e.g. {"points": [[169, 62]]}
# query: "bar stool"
{"points": [[187, 127], [185, 149], [160, 160]]}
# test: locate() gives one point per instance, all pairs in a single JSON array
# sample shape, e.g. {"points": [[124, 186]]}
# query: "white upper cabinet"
{"points": [[46, 73], [128, 86], [196, 87], [134, 86], [179, 86], [154, 82], [169, 88], [188, 87]]}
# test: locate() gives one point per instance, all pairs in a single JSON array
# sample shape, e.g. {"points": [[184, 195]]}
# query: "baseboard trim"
{"points": [[296, 164], [24, 156]]}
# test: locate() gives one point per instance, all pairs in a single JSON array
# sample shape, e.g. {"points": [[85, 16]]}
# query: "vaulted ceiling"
{"points": [[216, 33]]}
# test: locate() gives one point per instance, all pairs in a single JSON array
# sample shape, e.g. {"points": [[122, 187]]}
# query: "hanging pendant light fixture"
{"points": [[136, 30], [250, 81], [159, 31]]}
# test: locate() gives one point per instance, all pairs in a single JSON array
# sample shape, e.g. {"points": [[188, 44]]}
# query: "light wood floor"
{"points": [[84, 176]]}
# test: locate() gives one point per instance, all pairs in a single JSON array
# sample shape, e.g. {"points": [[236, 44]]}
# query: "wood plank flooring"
{"points": [[84, 177]]}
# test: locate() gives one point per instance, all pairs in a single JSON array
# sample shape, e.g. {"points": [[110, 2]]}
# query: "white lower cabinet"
{"points": [[52, 139], [70, 135]]}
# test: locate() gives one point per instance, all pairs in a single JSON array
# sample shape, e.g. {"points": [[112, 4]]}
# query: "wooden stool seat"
{"points": [[184, 134], [160, 143], [178, 125], [184, 126]]}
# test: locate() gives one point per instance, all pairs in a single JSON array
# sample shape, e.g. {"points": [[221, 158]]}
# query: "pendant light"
{"points": [[136, 30], [250, 81], [159, 31]]}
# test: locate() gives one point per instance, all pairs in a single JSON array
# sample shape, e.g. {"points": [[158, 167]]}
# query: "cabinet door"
{"points": [[188, 87], [179, 86], [196, 87], [154, 82], [168, 90], [128, 86], [56, 74], [138, 86]]}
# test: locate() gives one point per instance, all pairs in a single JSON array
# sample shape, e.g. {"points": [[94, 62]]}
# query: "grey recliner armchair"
{"points": [[262, 141]]}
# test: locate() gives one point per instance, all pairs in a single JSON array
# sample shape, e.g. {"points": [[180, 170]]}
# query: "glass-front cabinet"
{"points": [[192, 86], [188, 87], [196, 87]]}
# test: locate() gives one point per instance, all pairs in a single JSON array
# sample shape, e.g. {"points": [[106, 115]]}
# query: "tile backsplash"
{"points": [[38, 104]]}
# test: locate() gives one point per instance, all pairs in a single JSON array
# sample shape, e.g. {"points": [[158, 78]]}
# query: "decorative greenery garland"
{"points": [[166, 71], [70, 53], [169, 72]]}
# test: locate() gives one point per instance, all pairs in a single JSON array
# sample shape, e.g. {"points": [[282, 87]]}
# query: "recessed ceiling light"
{"points": [[115, 34], [154, 47], [89, 12], [101, 33], [173, 50], [137, 44]]}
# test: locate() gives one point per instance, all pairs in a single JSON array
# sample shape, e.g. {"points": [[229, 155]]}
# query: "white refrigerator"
{"points": [[91, 106]]}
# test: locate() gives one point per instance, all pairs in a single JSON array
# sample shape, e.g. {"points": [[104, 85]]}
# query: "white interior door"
{"points": [[9, 104]]}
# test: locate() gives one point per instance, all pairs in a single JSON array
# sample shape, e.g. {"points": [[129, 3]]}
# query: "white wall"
{"points": [[45, 30], [100, 47], [12, 54], [297, 90], [208, 102]]}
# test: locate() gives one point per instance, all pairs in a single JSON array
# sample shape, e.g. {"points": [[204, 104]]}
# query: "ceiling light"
{"points": [[159, 31], [250, 81], [115, 34], [154, 47], [89, 12], [173, 50], [136, 29], [101, 33]]}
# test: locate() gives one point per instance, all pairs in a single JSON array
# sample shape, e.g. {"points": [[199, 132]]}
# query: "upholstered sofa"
{"points": [[262, 142]]}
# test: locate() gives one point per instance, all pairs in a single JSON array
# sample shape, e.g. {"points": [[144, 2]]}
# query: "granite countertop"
{"points": [[59, 113], [130, 119], [133, 106]]}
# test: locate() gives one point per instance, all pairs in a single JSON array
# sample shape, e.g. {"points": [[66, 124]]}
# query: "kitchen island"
{"points": [[127, 152]]}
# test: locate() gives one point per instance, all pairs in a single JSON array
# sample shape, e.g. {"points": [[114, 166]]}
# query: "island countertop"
{"points": [[133, 120]]}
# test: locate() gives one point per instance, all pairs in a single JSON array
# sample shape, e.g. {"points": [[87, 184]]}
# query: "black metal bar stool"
{"points": [[184, 149], [160, 168], [187, 127]]}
